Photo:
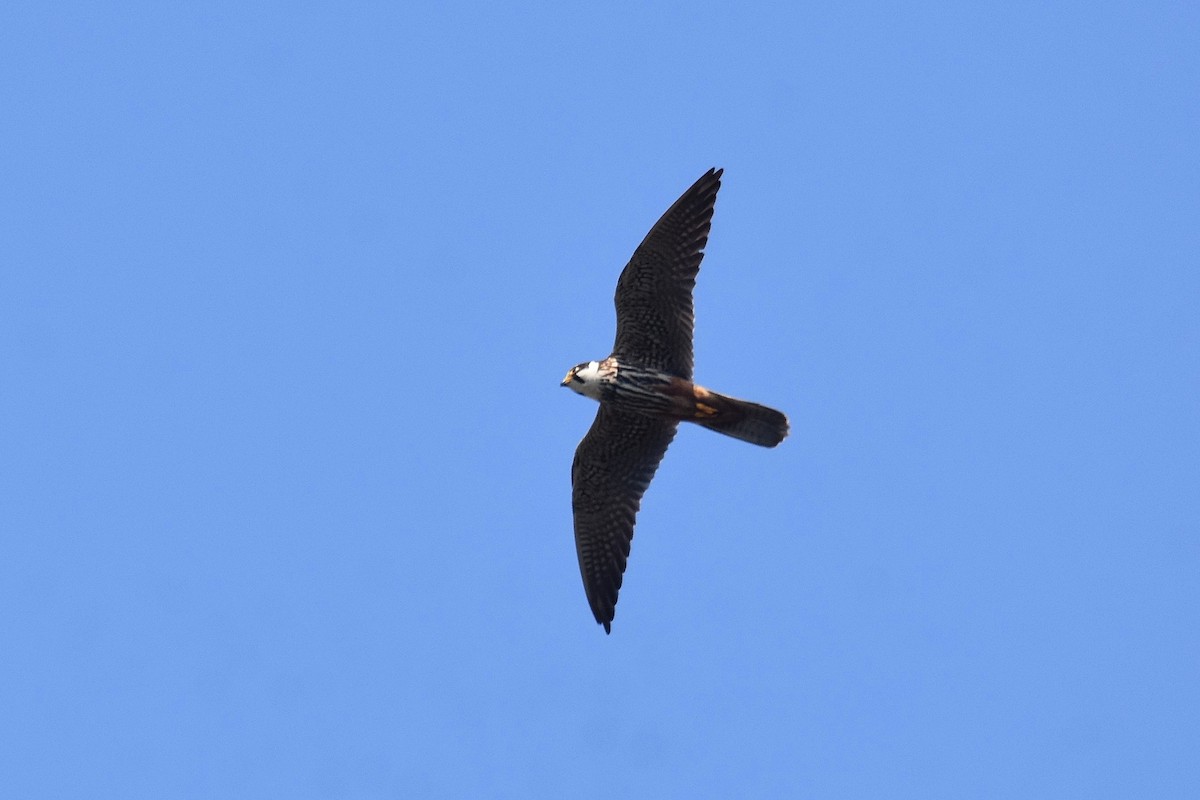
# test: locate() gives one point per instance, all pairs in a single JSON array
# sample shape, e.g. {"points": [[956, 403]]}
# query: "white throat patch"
{"points": [[588, 380]]}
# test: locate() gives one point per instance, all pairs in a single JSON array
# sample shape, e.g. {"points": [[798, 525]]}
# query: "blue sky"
{"points": [[286, 292]]}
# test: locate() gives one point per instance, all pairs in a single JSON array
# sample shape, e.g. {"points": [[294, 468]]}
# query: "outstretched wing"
{"points": [[654, 293], [613, 466]]}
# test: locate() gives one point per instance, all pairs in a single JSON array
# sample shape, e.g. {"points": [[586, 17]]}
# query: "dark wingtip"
{"points": [[608, 627]]}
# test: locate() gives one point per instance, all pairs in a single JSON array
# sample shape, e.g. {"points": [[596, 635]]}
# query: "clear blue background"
{"points": [[286, 293]]}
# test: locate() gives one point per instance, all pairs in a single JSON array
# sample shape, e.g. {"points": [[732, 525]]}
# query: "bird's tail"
{"points": [[740, 419]]}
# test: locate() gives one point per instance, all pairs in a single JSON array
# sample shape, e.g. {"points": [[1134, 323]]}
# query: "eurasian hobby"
{"points": [[645, 389]]}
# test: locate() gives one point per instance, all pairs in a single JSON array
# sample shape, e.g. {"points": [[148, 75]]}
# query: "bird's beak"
{"points": [[566, 380]]}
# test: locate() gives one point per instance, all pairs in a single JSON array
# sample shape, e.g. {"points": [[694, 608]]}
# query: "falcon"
{"points": [[645, 390]]}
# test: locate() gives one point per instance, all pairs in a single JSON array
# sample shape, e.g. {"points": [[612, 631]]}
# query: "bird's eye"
{"points": [[575, 377]]}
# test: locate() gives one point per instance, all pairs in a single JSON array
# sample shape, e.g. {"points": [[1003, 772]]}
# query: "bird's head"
{"points": [[585, 379]]}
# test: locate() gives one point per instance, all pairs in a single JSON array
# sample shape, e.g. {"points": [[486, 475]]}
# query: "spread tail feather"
{"points": [[740, 419]]}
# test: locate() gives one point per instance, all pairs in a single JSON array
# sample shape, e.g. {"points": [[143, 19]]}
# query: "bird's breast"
{"points": [[649, 391]]}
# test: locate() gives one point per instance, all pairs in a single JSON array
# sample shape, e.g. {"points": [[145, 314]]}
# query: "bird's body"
{"points": [[654, 393], [645, 389]]}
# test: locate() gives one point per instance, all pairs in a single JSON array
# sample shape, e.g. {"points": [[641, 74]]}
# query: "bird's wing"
{"points": [[654, 293], [613, 466]]}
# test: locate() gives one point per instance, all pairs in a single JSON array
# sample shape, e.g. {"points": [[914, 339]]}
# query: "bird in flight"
{"points": [[645, 389]]}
